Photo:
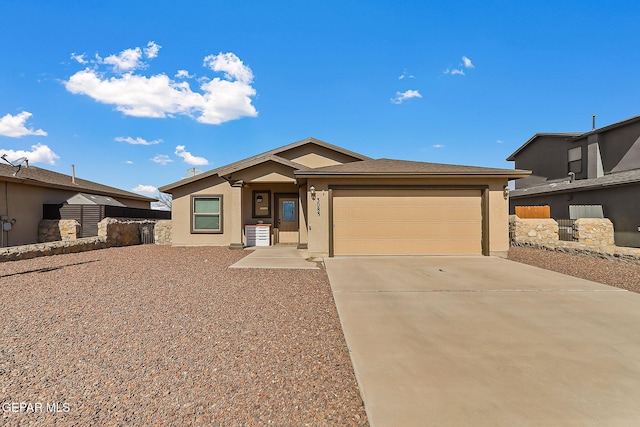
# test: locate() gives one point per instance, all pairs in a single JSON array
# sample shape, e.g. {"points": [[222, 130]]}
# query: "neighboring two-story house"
{"points": [[600, 167]]}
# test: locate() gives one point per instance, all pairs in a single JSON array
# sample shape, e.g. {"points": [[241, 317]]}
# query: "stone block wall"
{"points": [[594, 237], [594, 231], [111, 232], [533, 230], [52, 230], [162, 232], [123, 232]]}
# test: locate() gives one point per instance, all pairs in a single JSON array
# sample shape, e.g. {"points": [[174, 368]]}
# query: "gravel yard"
{"points": [[155, 335], [616, 273]]}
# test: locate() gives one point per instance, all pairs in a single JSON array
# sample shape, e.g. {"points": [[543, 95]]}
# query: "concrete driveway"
{"points": [[486, 341]]}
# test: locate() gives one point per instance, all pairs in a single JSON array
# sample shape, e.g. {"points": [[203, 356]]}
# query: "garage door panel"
{"points": [[404, 222], [412, 230]]}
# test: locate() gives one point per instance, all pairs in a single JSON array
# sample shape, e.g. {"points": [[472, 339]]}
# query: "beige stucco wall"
{"points": [[24, 204], [315, 156], [181, 213], [319, 224]]}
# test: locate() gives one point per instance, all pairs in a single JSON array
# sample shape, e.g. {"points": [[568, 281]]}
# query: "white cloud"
{"points": [[454, 71], [14, 126], [438, 146], [137, 141], [499, 141], [403, 96], [163, 159], [39, 154], [466, 63], [231, 65], [127, 60], [190, 158], [152, 49], [79, 58], [129, 162], [183, 74], [219, 100], [406, 75], [145, 189]]}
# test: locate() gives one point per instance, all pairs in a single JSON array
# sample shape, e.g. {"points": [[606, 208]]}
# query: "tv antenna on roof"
{"points": [[16, 163]]}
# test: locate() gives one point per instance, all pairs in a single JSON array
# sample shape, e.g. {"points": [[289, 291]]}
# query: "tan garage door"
{"points": [[407, 222]]}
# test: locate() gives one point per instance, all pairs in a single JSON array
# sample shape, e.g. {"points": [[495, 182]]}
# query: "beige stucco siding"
{"points": [[24, 204], [407, 222], [315, 156], [181, 213]]}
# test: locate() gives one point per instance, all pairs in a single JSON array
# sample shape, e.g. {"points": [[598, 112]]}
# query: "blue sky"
{"points": [[134, 93]]}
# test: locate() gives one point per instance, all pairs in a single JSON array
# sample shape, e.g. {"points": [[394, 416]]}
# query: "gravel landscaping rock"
{"points": [[618, 273], [156, 335]]}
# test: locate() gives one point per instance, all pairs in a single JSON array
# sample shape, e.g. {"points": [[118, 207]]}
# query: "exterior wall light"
{"points": [[505, 192], [312, 190], [259, 199]]}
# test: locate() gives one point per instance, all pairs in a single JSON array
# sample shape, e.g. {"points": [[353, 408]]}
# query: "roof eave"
{"points": [[510, 175], [565, 189], [76, 187]]}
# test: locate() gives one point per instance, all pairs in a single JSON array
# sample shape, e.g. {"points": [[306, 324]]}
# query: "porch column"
{"points": [[236, 215], [303, 238]]}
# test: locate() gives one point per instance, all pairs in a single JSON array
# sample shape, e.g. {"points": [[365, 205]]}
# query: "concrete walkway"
{"points": [[481, 341], [276, 257]]}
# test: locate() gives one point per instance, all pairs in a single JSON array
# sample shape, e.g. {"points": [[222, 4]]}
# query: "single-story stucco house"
{"points": [[26, 190], [333, 201]]}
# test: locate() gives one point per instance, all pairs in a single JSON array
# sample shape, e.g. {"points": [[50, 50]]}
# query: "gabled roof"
{"points": [[256, 160], [612, 180], [569, 135], [93, 199], [45, 178], [271, 155], [575, 135], [390, 167]]}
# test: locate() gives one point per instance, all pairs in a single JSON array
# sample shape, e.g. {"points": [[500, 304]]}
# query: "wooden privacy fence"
{"points": [[533, 211]]}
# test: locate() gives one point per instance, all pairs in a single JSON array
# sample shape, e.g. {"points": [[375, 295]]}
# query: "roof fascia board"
{"points": [[77, 189], [508, 174]]}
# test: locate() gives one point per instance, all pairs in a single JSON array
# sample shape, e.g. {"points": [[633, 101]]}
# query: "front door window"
{"points": [[287, 221]]}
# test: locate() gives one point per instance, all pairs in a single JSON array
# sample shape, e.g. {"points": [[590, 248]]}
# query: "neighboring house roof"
{"points": [[571, 135], [390, 167], [616, 179], [271, 155], [93, 199], [45, 178], [575, 135]]}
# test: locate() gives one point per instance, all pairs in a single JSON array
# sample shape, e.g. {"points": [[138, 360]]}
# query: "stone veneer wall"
{"points": [[53, 230], [162, 232], [533, 230], [594, 237], [594, 231], [111, 232]]}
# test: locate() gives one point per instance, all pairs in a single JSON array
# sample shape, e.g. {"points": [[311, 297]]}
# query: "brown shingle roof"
{"points": [[271, 155], [45, 178], [406, 167]]}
